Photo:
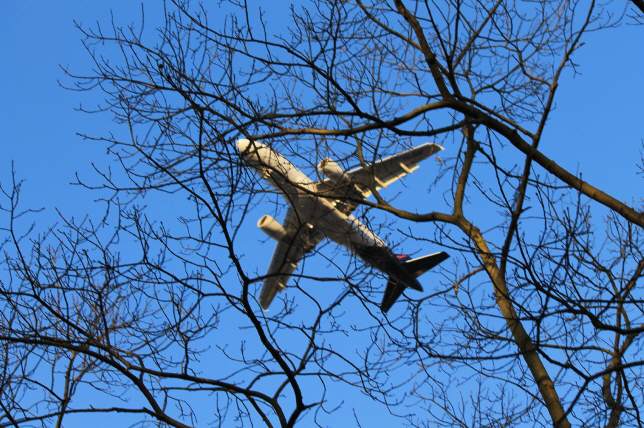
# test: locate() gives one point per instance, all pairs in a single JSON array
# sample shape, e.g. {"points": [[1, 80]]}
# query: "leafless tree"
{"points": [[537, 321]]}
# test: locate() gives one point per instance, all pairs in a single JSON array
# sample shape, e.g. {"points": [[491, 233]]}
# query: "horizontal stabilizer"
{"points": [[416, 267]]}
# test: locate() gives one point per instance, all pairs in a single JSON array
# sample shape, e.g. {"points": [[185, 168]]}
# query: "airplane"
{"points": [[324, 209]]}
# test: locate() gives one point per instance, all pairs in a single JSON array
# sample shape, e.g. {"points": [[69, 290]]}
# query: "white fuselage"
{"points": [[301, 192]]}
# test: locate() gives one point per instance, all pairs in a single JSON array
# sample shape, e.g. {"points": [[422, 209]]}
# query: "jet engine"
{"points": [[332, 170], [272, 228]]}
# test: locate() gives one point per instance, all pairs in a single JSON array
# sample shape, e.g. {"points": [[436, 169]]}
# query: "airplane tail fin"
{"points": [[416, 267]]}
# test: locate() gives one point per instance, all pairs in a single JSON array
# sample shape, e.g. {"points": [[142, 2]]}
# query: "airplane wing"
{"points": [[288, 253], [379, 175], [390, 169]]}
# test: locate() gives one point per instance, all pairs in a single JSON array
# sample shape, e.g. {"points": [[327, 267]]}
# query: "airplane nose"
{"points": [[247, 147], [242, 145]]}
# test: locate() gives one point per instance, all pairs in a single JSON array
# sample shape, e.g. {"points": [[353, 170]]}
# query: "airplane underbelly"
{"points": [[347, 230], [344, 229]]}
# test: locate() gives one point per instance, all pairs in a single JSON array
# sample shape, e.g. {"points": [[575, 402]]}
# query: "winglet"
{"points": [[271, 287]]}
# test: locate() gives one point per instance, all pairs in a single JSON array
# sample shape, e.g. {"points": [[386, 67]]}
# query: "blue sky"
{"points": [[597, 127]]}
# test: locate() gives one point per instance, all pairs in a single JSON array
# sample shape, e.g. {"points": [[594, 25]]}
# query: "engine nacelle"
{"points": [[332, 170], [272, 228]]}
